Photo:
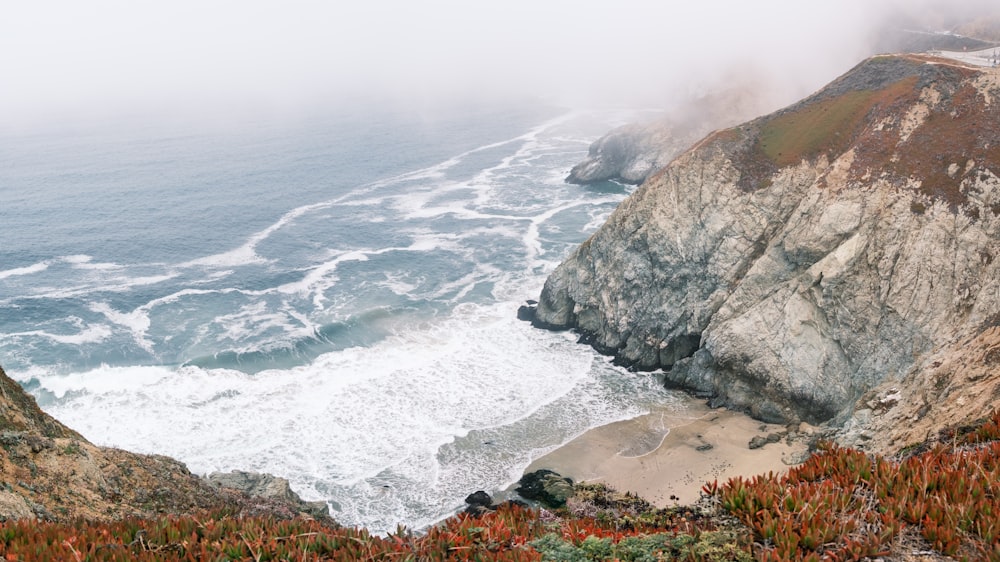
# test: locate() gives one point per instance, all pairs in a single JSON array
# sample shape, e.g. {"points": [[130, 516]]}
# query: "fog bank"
{"points": [[103, 59]]}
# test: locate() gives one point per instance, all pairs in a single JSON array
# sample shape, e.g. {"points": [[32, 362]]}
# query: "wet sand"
{"points": [[667, 456]]}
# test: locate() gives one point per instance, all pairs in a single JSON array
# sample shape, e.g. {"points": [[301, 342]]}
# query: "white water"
{"points": [[354, 334]]}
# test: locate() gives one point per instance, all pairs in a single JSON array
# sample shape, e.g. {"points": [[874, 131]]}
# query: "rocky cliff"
{"points": [[50, 472], [791, 265], [632, 152]]}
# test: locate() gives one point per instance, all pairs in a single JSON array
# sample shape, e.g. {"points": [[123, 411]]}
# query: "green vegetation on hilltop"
{"points": [[827, 126], [801, 135]]}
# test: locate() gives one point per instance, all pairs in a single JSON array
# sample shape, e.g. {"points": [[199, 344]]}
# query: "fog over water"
{"points": [[105, 59]]}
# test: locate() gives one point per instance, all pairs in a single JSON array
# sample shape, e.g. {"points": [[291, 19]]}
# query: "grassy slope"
{"points": [[864, 111]]}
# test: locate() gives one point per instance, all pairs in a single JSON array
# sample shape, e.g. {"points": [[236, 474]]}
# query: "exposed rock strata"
{"points": [[951, 387], [790, 265], [51, 472]]}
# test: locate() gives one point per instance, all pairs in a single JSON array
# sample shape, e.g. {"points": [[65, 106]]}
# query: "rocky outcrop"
{"points": [[951, 387], [51, 472], [269, 487], [631, 153], [545, 486], [790, 265]]}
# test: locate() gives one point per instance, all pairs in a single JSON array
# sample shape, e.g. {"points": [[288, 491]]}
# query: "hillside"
{"points": [[50, 472], [633, 152]]}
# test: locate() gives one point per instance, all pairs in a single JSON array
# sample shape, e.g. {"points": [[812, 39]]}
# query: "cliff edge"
{"points": [[50, 472], [791, 265]]}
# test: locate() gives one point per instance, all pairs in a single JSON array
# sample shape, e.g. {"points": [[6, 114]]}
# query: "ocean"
{"points": [[329, 299]]}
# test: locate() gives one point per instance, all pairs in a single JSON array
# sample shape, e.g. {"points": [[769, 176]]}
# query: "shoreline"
{"points": [[667, 455]]}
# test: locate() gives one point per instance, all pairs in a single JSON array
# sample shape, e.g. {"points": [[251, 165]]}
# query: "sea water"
{"points": [[329, 299]]}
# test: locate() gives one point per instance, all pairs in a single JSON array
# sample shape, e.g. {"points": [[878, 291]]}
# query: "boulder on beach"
{"points": [[546, 487]]}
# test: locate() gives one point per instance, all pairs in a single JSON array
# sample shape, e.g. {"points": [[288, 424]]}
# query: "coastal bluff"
{"points": [[806, 264], [51, 473]]}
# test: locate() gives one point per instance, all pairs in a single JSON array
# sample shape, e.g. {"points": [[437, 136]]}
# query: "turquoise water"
{"points": [[331, 300]]}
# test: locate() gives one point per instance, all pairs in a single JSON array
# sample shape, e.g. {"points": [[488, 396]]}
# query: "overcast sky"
{"points": [[64, 59]]}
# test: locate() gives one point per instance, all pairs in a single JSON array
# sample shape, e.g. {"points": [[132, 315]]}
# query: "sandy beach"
{"points": [[666, 456]]}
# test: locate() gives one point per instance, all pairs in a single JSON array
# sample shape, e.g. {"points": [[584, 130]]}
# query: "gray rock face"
{"points": [[789, 265], [266, 486], [631, 153], [13, 506]]}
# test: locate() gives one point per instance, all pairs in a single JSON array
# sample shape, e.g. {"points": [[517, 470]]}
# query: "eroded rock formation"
{"points": [[790, 265]]}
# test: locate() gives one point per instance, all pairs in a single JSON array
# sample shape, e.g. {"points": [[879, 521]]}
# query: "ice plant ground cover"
{"points": [[839, 505]]}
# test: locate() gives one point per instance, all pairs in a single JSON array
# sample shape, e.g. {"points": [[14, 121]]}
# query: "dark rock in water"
{"points": [[546, 487], [526, 312]]}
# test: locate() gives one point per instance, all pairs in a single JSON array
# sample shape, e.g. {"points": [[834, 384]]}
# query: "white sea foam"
{"points": [[86, 262], [83, 261], [247, 253], [350, 419], [90, 334], [322, 277], [531, 239], [257, 319], [27, 270], [136, 321], [95, 280], [450, 395], [243, 255], [397, 284], [101, 381]]}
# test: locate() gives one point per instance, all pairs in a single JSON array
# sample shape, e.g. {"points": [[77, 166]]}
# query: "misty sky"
{"points": [[102, 58]]}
